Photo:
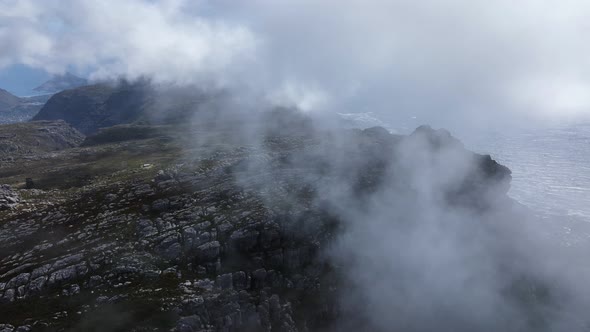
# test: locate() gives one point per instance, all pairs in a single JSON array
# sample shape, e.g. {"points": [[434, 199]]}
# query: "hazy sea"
{"points": [[550, 164]]}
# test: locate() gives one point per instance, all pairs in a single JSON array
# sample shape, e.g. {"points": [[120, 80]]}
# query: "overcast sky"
{"points": [[438, 60]]}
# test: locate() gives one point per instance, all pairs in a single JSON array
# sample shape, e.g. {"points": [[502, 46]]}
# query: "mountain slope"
{"points": [[89, 108], [241, 235], [15, 109], [36, 137], [92, 107], [8, 100], [60, 83]]}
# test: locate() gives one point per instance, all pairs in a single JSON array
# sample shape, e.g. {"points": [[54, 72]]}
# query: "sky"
{"points": [[441, 61], [19, 79]]}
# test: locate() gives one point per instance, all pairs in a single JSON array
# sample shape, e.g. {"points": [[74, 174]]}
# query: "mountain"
{"points": [[91, 107], [60, 83], [16, 109], [8, 100], [216, 229]]}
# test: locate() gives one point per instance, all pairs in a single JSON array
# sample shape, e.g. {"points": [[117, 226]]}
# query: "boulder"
{"points": [[9, 198]]}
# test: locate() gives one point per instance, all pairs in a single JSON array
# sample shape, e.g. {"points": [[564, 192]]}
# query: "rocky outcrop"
{"points": [[180, 251], [233, 239], [9, 198], [37, 137], [484, 175]]}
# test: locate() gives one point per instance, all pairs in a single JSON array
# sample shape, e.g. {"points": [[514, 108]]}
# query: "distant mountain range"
{"points": [[61, 82], [16, 109], [91, 107]]}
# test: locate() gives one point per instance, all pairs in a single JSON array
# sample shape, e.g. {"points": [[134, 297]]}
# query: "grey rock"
{"points": [[6, 328], [9, 295], [189, 324], [225, 281], [43, 270], [292, 259], [270, 238], [74, 289], [160, 205], [37, 285], [173, 252], [259, 278], [62, 276], [19, 280], [9, 198], [69, 260], [208, 251], [94, 281], [194, 305], [244, 240], [21, 291], [240, 280], [24, 328], [102, 299]]}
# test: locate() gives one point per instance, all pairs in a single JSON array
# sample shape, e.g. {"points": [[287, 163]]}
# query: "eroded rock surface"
{"points": [[228, 239], [32, 138], [8, 197]]}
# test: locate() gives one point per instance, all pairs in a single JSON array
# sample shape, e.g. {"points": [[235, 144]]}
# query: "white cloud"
{"points": [[553, 96], [437, 60], [131, 38], [303, 96]]}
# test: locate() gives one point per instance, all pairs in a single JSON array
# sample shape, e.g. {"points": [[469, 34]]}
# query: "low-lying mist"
{"points": [[426, 238], [455, 61]]}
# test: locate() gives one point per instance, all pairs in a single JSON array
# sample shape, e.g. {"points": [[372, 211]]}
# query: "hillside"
{"points": [[235, 232], [92, 107], [32, 138], [15, 109], [8, 100]]}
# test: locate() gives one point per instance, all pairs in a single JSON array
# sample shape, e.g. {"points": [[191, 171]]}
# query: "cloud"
{"points": [[442, 61], [131, 38]]}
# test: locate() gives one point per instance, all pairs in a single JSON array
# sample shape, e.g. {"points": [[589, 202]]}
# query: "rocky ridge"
{"points": [[197, 241], [32, 138], [89, 108]]}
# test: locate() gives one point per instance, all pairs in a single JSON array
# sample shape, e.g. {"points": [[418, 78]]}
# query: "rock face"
{"points": [[9, 199], [37, 137], [232, 238]]}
